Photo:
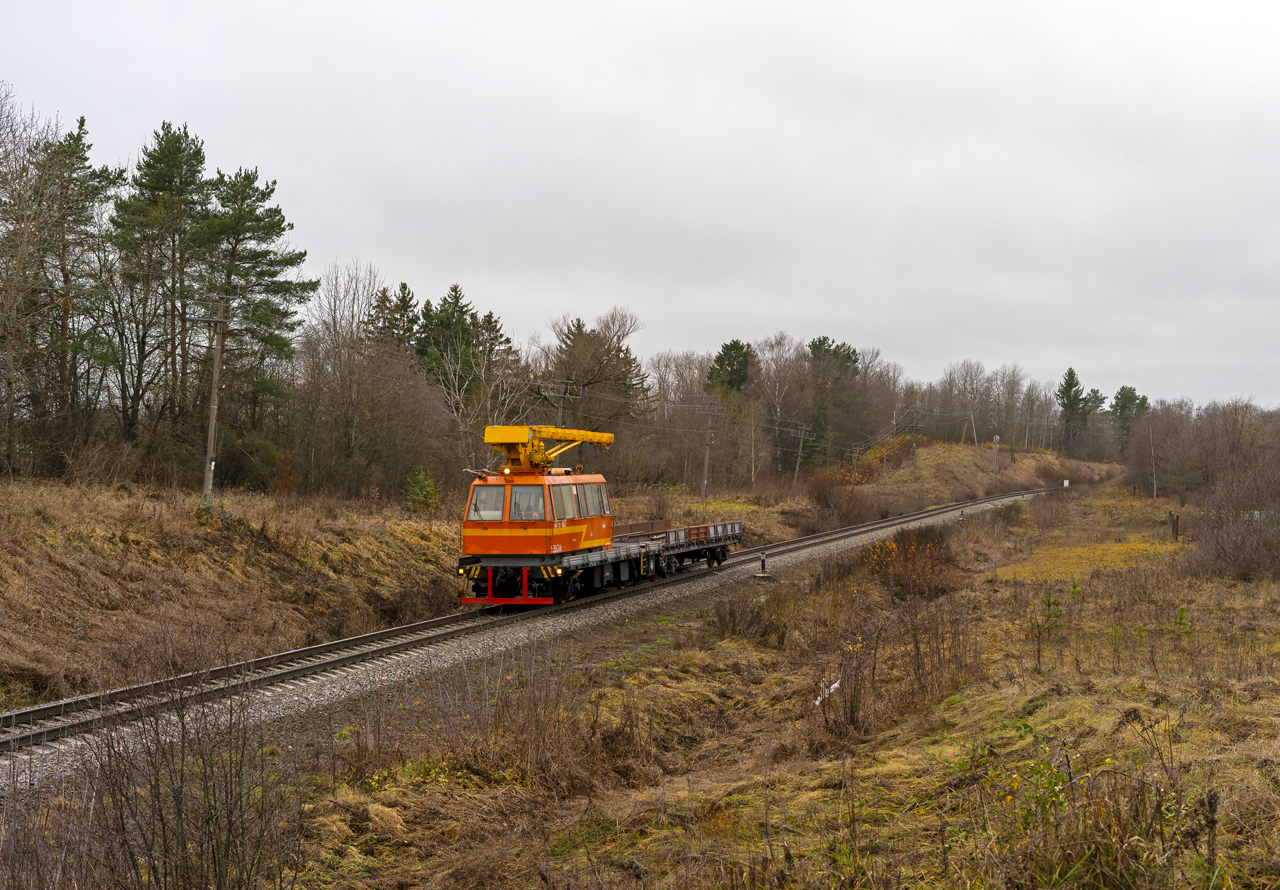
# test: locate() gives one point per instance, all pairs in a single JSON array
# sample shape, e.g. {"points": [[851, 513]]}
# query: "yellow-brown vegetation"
{"points": [[105, 586], [711, 748]]}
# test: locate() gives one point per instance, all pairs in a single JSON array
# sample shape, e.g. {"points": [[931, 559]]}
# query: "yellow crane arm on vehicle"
{"points": [[525, 449]]}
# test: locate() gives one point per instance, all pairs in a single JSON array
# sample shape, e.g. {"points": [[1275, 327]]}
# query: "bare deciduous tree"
{"points": [[23, 136]]}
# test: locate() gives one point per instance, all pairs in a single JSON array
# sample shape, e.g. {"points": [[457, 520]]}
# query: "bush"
{"points": [[524, 715], [765, 619], [1048, 510], [892, 660], [915, 561], [839, 503], [422, 492], [188, 798], [1239, 531]]}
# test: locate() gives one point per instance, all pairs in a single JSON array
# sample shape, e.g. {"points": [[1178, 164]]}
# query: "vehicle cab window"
{"points": [[562, 498], [527, 503], [486, 503]]}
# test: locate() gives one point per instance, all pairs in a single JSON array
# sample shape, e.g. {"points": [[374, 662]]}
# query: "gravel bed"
{"points": [[297, 697]]}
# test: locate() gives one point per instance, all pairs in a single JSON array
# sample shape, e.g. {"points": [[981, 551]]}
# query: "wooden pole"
{"points": [[211, 443], [1152, 440]]}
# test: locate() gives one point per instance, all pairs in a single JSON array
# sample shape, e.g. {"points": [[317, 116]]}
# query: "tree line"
{"points": [[117, 284]]}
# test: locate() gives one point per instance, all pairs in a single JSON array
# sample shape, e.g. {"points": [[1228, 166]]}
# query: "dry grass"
{"points": [[106, 586], [1066, 561], [1140, 753], [185, 800], [698, 750], [946, 473], [103, 586], [765, 518]]}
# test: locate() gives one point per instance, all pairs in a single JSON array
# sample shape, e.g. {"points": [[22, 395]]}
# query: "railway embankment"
{"points": [[105, 586]]}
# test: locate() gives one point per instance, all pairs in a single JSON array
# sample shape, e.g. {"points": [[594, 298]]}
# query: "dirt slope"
{"points": [[946, 473], [101, 587]]}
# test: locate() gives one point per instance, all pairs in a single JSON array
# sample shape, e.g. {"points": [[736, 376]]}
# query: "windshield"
{"points": [[526, 502], [486, 503]]}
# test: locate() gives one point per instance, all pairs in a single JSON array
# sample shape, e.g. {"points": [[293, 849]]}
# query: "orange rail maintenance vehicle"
{"points": [[536, 534]]}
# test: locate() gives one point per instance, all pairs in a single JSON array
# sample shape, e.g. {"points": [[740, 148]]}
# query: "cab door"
{"points": [[528, 523], [567, 526]]}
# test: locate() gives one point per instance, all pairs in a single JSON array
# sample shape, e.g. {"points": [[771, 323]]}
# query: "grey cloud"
{"points": [[1089, 184]]}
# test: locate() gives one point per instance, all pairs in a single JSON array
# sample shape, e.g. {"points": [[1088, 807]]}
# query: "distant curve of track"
{"points": [[30, 728]]}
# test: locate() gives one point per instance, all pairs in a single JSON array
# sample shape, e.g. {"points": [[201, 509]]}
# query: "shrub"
{"points": [[891, 660], [765, 619], [915, 561], [189, 798], [524, 715], [1239, 532], [422, 492], [1048, 510], [839, 503]]}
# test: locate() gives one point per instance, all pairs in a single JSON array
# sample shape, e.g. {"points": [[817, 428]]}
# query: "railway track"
{"points": [[30, 728]]}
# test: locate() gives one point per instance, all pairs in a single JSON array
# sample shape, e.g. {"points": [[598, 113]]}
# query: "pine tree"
{"points": [[248, 281], [1126, 407], [599, 366], [832, 367], [160, 232], [454, 339], [730, 368], [394, 317], [1071, 399], [472, 360], [445, 330]]}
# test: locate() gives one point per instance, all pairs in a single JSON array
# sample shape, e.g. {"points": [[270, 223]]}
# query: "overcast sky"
{"points": [[1053, 184]]}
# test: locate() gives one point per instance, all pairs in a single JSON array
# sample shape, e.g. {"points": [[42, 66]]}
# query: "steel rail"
{"points": [[99, 700], [854, 531], [57, 720]]}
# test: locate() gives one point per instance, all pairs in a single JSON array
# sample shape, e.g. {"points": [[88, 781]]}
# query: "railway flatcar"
{"points": [[534, 533]]}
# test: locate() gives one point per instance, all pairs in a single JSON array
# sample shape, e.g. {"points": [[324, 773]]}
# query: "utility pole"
{"points": [[802, 434], [1151, 439], [219, 340], [564, 396], [995, 456], [711, 412]]}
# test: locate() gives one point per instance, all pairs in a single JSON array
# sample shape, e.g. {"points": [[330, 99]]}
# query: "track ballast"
{"points": [[28, 729]]}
